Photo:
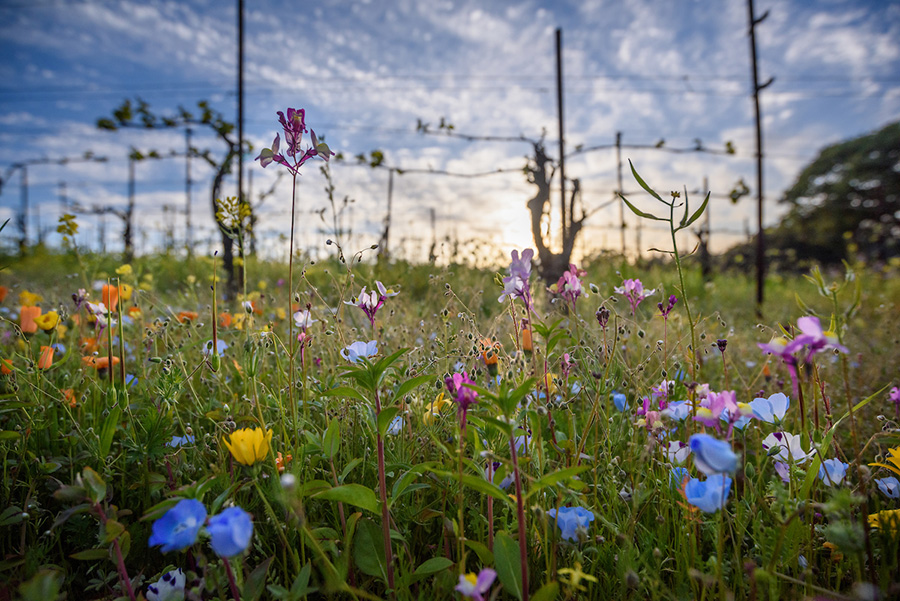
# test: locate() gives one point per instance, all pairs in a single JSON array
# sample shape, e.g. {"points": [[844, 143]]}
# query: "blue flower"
{"points": [[230, 532], [168, 588], [131, 380], [360, 350], [396, 426], [59, 347], [621, 401], [570, 519], [709, 495], [180, 441], [678, 410], [890, 486], [178, 528], [832, 471], [712, 456], [221, 347], [677, 476], [772, 409]]}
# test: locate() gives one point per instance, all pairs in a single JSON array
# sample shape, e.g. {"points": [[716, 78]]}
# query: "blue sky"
{"points": [[367, 71]]}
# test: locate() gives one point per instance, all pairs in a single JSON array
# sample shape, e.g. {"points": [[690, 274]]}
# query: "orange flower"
{"points": [[281, 461], [110, 296], [69, 395], [134, 312], [184, 316], [98, 362], [527, 345], [27, 317], [46, 359], [224, 320], [6, 366], [89, 345], [3, 292], [489, 352]]}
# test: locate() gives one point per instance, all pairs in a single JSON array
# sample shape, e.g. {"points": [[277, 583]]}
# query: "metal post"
{"points": [[240, 119], [23, 212], [562, 147], [188, 228], [621, 190]]}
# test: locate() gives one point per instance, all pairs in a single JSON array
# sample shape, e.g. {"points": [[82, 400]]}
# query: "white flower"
{"points": [[790, 449], [168, 588], [303, 319]]}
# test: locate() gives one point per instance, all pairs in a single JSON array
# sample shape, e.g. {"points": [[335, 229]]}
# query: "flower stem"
{"points": [[290, 312], [385, 513], [231, 582], [520, 516]]}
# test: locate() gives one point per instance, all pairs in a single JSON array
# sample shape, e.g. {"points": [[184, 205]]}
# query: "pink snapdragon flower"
{"points": [[634, 291], [370, 302], [294, 126]]}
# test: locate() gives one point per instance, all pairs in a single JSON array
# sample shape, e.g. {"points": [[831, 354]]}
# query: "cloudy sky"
{"points": [[367, 71]]}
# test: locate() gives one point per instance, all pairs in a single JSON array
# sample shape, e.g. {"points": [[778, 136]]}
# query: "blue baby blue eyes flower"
{"points": [[889, 486], [712, 456], [620, 401], [178, 528], [709, 495], [833, 471], [570, 519], [230, 532], [772, 409], [677, 476]]}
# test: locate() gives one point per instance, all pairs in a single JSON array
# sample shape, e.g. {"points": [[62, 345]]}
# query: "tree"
{"points": [[140, 116], [847, 201]]}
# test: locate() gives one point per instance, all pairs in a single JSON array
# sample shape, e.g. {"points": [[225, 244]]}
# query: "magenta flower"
{"points": [[814, 338], [569, 285], [461, 394], [370, 302], [474, 586], [664, 310], [634, 291], [515, 285], [294, 126]]}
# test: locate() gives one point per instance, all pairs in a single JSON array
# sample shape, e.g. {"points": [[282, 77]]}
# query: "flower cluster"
{"points": [[634, 291], [230, 531], [370, 302], [516, 285], [294, 126]]}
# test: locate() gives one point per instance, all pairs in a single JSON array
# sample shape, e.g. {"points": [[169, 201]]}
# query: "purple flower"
{"points": [[461, 394], [515, 285], [370, 302], [230, 532], [895, 396], [177, 529], [294, 126], [634, 291], [572, 519], [712, 456], [665, 310], [709, 495], [569, 285], [476, 587], [814, 338]]}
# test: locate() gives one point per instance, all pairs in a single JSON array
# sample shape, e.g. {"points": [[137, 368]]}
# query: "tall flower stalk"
{"points": [[294, 126]]}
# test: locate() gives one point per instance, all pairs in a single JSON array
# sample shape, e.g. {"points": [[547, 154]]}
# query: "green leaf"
{"points": [[639, 212], [108, 430], [368, 550], [697, 213], [331, 440], [8, 435], [113, 529], [91, 554], [352, 494], [43, 586], [253, 585], [548, 592], [385, 418], [643, 184], [488, 488], [94, 485], [11, 515], [411, 384], [429, 567], [507, 564], [555, 477], [484, 554], [344, 391]]}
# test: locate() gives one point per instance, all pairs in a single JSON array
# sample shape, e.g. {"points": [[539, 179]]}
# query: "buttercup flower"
{"points": [[570, 520], [29, 299], [709, 495], [360, 350], [833, 471], [47, 321], [772, 409], [893, 461], [168, 588], [230, 532], [435, 408], [248, 446], [474, 586], [888, 521], [177, 529], [712, 456]]}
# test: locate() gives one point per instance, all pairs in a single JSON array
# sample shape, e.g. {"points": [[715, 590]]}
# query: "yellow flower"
{"points": [[29, 299], [47, 321], [249, 446], [125, 270], [262, 285], [61, 330], [573, 577], [434, 409], [280, 313], [125, 291], [549, 380], [894, 459], [886, 520]]}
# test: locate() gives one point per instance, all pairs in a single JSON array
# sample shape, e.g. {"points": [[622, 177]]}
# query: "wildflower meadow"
{"points": [[354, 429]]}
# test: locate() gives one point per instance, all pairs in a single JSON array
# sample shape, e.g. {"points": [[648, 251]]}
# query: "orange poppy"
{"points": [[527, 345], [69, 396], [98, 362], [110, 296], [89, 345], [224, 320], [27, 317], [489, 352], [46, 359], [6, 366], [134, 312], [184, 316], [3, 292]]}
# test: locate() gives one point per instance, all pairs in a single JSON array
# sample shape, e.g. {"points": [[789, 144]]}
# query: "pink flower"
{"points": [[294, 126], [814, 338], [634, 291]]}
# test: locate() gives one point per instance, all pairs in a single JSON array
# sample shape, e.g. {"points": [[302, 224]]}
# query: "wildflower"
{"points": [[634, 291], [225, 320], [664, 310], [516, 285], [3, 292], [360, 350], [221, 347], [230, 532], [248, 446], [574, 576], [282, 460], [894, 395], [46, 359], [396, 425], [303, 319], [888, 520], [789, 447], [474, 586], [28, 315], [184, 316], [677, 451], [125, 291], [6, 366], [678, 475], [29, 299], [833, 471], [490, 355], [435, 408], [709, 495], [47, 321], [712, 456], [814, 338], [370, 302], [569, 285], [602, 316], [180, 441], [527, 344], [772, 409], [738, 418], [177, 529], [461, 394], [678, 410], [566, 365], [69, 396], [168, 588], [294, 126], [620, 401], [110, 296], [124, 270], [570, 520], [889, 486], [98, 362], [893, 459]]}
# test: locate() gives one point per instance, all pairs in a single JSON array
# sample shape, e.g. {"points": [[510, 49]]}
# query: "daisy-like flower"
{"points": [[893, 461]]}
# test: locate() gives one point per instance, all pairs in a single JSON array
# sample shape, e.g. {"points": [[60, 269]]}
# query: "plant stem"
{"points": [[520, 516], [382, 490], [231, 582], [290, 312]]}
